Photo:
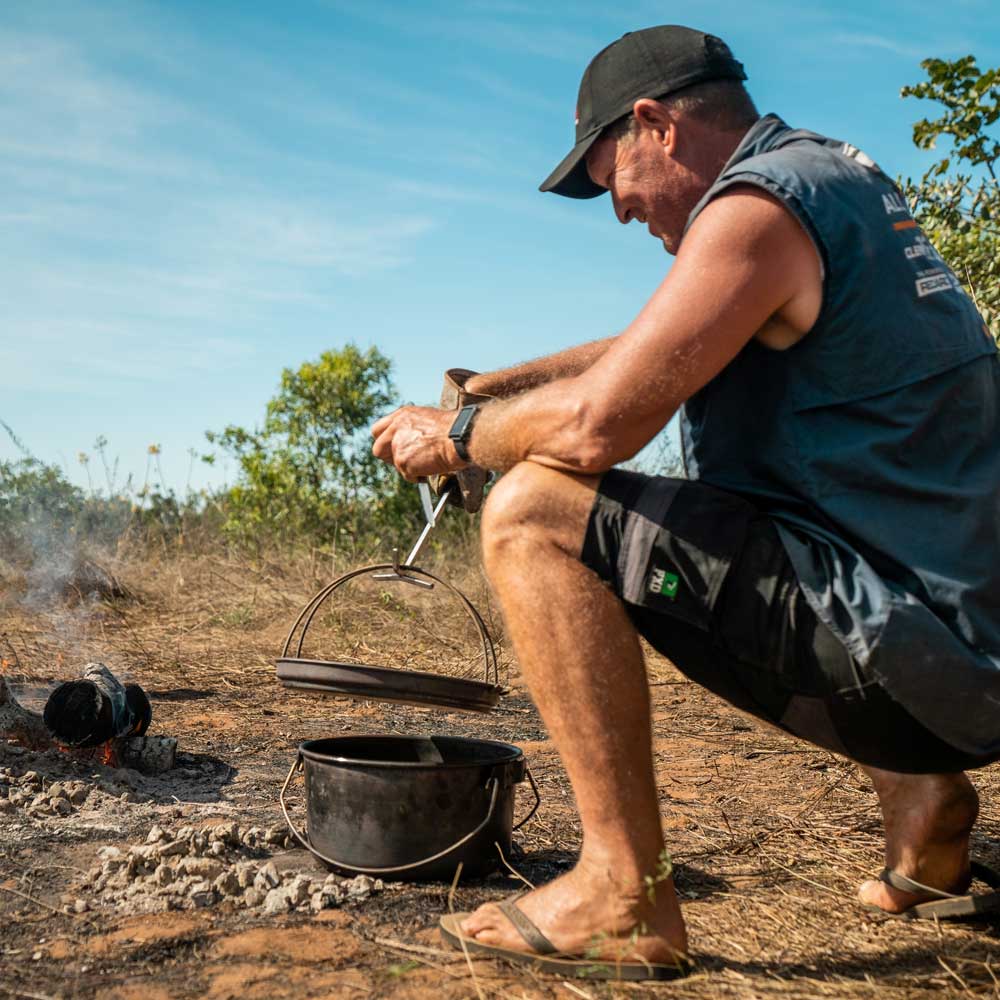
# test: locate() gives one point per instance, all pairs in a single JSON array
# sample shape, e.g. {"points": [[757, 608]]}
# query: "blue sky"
{"points": [[195, 195]]}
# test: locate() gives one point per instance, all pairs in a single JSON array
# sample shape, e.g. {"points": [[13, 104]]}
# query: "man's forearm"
{"points": [[553, 425], [565, 364]]}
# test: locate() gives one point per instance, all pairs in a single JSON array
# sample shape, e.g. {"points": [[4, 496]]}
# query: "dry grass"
{"points": [[769, 837]]}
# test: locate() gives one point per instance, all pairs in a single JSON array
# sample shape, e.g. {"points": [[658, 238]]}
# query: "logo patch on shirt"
{"points": [[662, 582]]}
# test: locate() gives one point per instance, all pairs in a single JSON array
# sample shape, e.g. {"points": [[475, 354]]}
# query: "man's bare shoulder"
{"points": [[749, 231]]}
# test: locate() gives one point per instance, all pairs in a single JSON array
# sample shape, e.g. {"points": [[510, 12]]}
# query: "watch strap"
{"points": [[461, 429]]}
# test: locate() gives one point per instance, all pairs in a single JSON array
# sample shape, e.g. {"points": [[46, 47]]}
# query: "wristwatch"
{"points": [[461, 429]]}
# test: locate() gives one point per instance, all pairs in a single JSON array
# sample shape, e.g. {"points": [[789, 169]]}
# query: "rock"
{"points": [[80, 906], [359, 887], [216, 849], [173, 848], [202, 867], [109, 853], [164, 875], [227, 884], [202, 897], [267, 878], [245, 873], [277, 901], [226, 833], [274, 835], [253, 897], [56, 789], [323, 900], [79, 794], [298, 889], [60, 805], [156, 834], [7, 806], [185, 833]]}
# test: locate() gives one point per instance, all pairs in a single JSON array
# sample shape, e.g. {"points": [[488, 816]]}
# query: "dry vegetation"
{"points": [[769, 837]]}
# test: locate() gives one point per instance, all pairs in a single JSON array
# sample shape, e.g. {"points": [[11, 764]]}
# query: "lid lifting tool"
{"points": [[431, 513]]}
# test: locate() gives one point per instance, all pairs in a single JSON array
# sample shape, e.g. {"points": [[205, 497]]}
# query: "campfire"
{"points": [[95, 718]]}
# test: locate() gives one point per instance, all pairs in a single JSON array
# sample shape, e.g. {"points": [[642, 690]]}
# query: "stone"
{"points": [[202, 867], [359, 887], [185, 833], [226, 833], [79, 794], [324, 899], [267, 878], [156, 834], [60, 805], [245, 873], [164, 875], [108, 853], [298, 889], [202, 897], [173, 848], [7, 806], [253, 897], [80, 906], [274, 835], [277, 901], [56, 789], [216, 849], [227, 884]]}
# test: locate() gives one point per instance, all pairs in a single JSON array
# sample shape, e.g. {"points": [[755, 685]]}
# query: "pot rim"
{"points": [[516, 753]]}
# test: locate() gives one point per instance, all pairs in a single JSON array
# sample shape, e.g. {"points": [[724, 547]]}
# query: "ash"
{"points": [[185, 869]]}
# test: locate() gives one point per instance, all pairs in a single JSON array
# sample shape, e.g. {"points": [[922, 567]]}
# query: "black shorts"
{"points": [[706, 581]]}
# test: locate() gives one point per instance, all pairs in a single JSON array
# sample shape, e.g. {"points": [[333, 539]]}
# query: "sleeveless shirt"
{"points": [[873, 442]]}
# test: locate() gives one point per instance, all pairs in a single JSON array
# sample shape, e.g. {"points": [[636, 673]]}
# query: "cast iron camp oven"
{"points": [[381, 683], [407, 807]]}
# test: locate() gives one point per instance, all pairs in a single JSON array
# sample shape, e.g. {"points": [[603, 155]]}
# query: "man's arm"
{"points": [[507, 382], [746, 261]]}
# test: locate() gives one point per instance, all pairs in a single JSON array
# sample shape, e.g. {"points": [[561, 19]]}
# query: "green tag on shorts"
{"points": [[662, 582]]}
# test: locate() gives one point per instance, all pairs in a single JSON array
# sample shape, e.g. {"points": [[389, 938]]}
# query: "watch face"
{"points": [[460, 427]]}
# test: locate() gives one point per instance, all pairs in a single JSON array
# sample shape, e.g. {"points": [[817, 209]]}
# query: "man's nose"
{"points": [[623, 214]]}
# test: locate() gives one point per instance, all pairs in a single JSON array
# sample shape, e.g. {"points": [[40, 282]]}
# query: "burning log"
{"points": [[96, 709], [97, 715]]}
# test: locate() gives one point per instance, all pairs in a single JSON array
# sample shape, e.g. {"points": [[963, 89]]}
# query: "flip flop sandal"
{"points": [[546, 957], [946, 905]]}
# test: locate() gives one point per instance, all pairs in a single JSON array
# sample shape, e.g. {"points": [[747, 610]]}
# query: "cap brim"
{"points": [[570, 178]]}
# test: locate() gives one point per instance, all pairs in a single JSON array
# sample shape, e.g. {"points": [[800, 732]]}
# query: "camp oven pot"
{"points": [[410, 808]]}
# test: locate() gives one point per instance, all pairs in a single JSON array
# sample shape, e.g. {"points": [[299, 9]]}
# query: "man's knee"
{"points": [[534, 504], [515, 500]]}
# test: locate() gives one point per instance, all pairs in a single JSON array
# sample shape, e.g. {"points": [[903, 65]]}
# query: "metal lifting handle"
{"points": [[395, 869], [414, 573]]}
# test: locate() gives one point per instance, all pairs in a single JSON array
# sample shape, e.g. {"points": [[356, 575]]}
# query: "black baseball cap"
{"points": [[653, 62]]}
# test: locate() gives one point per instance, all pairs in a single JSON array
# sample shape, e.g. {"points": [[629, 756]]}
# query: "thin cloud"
{"points": [[884, 42]]}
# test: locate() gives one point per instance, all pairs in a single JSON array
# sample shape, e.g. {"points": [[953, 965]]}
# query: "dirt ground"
{"points": [[769, 837]]}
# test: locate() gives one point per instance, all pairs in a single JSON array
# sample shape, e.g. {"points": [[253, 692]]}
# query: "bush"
{"points": [[307, 474]]}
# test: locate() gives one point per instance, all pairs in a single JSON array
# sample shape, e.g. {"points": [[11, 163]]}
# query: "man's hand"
{"points": [[415, 440]]}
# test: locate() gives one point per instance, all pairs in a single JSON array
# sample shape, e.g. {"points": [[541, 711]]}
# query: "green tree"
{"points": [[960, 211], [308, 474]]}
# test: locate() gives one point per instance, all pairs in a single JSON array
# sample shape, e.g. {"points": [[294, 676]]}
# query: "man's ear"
{"points": [[653, 115]]}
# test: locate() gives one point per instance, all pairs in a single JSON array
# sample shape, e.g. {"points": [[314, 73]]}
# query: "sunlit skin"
{"points": [[657, 176], [745, 269]]}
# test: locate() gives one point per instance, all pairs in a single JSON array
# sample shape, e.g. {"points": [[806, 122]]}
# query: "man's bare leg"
{"points": [[928, 818], [580, 656]]}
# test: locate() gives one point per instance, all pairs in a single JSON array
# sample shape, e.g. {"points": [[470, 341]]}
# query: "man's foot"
{"points": [[928, 819], [590, 916]]}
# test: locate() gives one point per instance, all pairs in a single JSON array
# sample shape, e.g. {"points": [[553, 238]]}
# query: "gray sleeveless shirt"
{"points": [[874, 442]]}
